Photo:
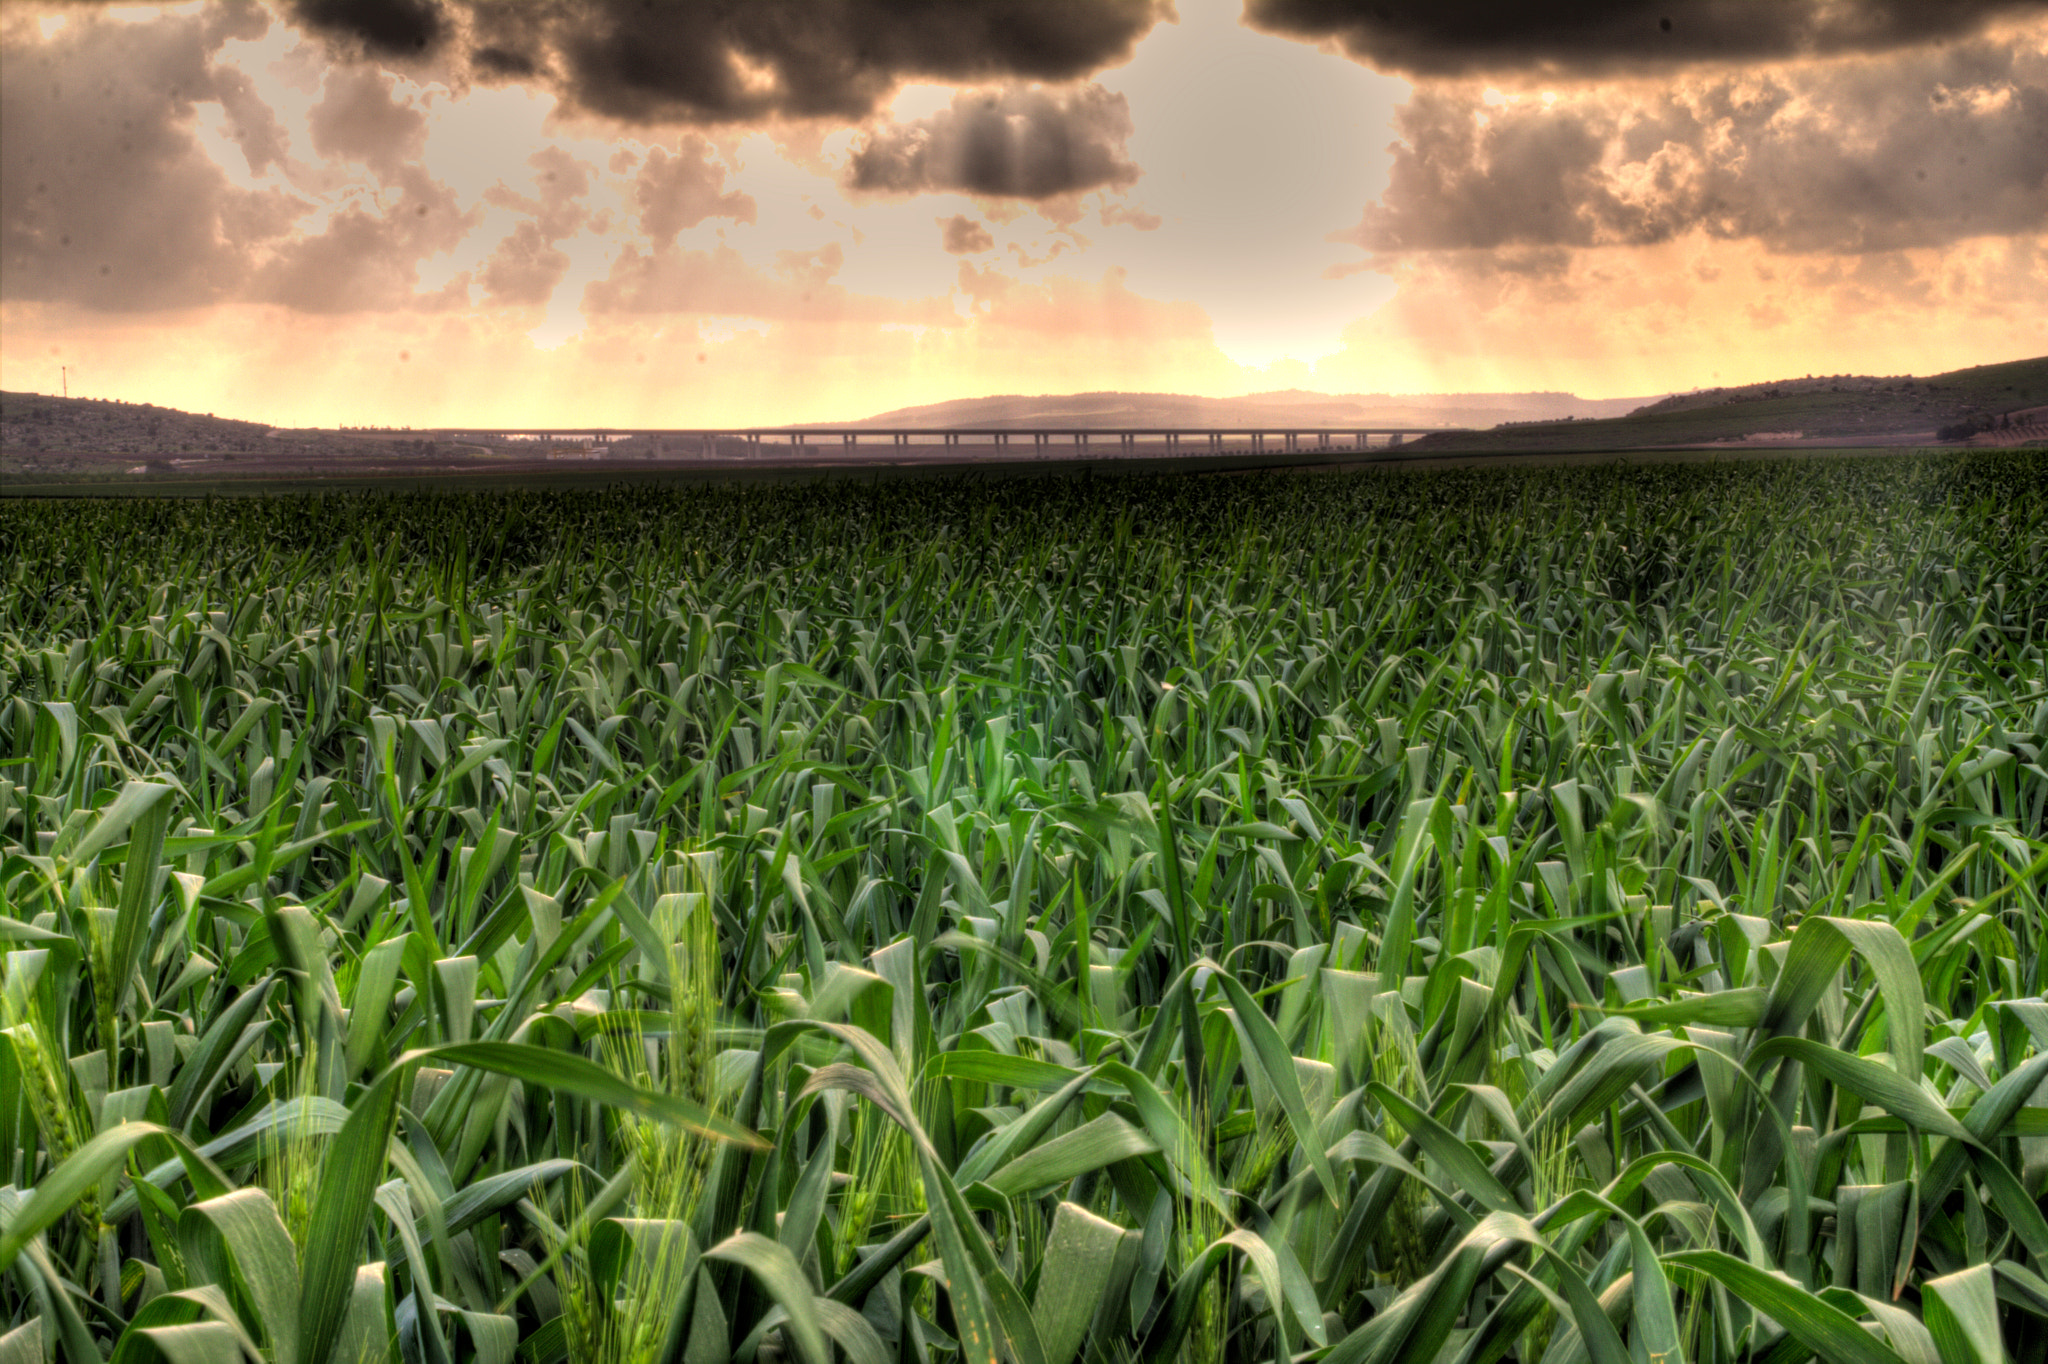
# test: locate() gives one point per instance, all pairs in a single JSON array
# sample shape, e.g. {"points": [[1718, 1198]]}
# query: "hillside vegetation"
{"points": [[32, 423], [1840, 408], [1583, 914], [42, 437]]}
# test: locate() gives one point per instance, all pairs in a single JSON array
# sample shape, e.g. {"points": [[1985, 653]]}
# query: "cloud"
{"points": [[690, 61], [985, 285], [1914, 149], [106, 197], [1059, 247], [703, 63], [525, 267], [720, 282], [1123, 215], [1693, 309], [368, 255], [369, 261], [681, 191], [382, 28], [1023, 142], [252, 124], [964, 236], [1460, 37], [561, 181], [357, 119]]}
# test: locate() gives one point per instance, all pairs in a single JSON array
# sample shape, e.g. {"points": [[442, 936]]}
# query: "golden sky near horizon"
{"points": [[425, 212]]}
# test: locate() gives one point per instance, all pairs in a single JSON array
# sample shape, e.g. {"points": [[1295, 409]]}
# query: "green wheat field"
{"points": [[1583, 914]]}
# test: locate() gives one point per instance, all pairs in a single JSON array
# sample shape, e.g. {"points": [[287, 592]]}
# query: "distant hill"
{"points": [[48, 437], [1290, 407], [1815, 410], [35, 421]]}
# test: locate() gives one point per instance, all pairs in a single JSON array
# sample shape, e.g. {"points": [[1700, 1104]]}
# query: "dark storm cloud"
{"points": [[1461, 37], [1023, 143], [963, 236], [712, 63], [726, 61], [1912, 150], [106, 197], [681, 191], [383, 28]]}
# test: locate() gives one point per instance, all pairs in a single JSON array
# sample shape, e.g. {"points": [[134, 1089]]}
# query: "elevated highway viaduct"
{"points": [[1080, 440]]}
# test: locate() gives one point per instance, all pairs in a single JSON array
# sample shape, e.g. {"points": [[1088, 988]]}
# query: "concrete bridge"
{"points": [[1175, 439]]}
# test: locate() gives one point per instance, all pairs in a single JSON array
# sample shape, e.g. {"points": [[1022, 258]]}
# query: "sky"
{"points": [[683, 213]]}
